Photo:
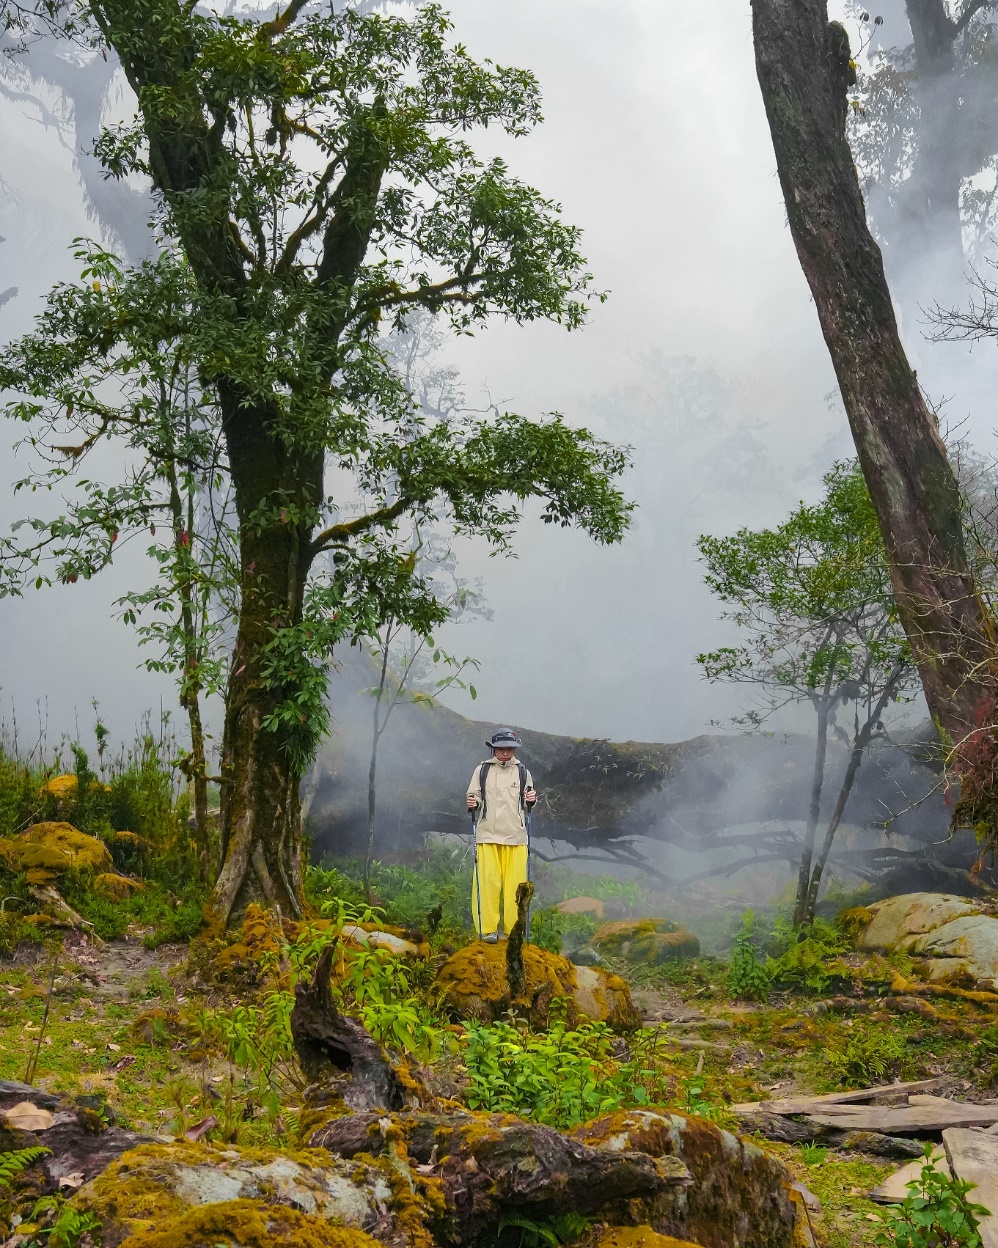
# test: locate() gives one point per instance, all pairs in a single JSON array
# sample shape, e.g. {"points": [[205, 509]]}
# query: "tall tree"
{"points": [[813, 597], [805, 71], [315, 173]]}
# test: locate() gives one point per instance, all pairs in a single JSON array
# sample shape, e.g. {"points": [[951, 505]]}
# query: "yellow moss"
{"points": [[853, 922], [39, 875], [55, 847], [248, 1224], [38, 920], [632, 1237], [157, 1025], [117, 887], [60, 787], [474, 980]]}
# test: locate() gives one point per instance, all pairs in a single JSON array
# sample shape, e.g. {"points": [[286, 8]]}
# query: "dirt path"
{"points": [[120, 968]]}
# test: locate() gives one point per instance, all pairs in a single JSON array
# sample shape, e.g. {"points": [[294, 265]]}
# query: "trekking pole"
{"points": [[478, 883], [526, 821]]}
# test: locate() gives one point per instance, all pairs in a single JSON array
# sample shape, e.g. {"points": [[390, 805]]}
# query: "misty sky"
{"points": [[707, 358]]}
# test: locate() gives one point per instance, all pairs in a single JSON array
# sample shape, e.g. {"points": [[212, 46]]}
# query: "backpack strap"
{"points": [[523, 784], [483, 773]]}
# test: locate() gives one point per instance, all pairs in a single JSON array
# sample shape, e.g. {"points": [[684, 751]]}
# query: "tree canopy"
{"points": [[316, 184]]}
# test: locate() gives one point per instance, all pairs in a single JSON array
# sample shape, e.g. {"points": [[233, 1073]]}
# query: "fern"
{"points": [[11, 1164]]}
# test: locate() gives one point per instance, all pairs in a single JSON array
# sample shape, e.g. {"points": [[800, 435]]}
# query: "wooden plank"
{"points": [[805, 1104], [895, 1187], [974, 1156], [907, 1120]]}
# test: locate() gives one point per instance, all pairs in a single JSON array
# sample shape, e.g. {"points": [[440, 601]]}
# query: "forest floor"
{"points": [[123, 1023]]}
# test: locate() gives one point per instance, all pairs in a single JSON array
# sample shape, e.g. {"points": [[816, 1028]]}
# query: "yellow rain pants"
{"points": [[499, 869]]}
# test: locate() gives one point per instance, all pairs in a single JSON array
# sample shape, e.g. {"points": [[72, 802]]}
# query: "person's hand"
{"points": [[472, 801], [530, 796]]}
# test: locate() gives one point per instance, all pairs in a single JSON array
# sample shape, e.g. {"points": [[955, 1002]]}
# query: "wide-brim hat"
{"points": [[504, 739]]}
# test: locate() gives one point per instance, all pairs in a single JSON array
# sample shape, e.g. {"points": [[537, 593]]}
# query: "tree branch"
{"points": [[338, 533]]}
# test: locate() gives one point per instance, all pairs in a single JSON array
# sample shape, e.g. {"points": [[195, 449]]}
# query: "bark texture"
{"points": [[804, 69], [338, 1051]]}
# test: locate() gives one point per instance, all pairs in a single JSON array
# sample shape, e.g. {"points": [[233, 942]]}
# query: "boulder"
{"points": [[248, 1224], [582, 905], [739, 1195], [647, 941], [55, 847], [601, 1236], [158, 1184], [474, 982], [116, 887], [953, 940]]}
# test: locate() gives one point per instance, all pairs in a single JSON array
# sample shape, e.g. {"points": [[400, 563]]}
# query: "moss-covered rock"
{"points": [[601, 1236], [150, 1185], [55, 847], [646, 941], [953, 941], [116, 887], [63, 788], [474, 982], [739, 1197], [582, 905], [248, 1224]]}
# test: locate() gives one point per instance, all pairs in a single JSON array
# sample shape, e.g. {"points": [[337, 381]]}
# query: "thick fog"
{"points": [[706, 358]]}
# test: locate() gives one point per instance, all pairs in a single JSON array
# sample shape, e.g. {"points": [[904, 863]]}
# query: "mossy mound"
{"points": [[116, 887], [646, 941], [475, 983], [55, 847], [62, 788], [249, 1224], [630, 1237], [151, 1185]]}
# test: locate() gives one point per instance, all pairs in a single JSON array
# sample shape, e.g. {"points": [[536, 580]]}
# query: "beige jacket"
{"points": [[503, 823]]}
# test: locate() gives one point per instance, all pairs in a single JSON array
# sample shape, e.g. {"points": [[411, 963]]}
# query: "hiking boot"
{"points": [[492, 938]]}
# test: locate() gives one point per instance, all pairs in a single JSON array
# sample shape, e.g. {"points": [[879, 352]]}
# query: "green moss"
{"points": [[647, 941]]}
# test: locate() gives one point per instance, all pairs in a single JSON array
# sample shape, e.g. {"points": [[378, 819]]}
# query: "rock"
{"points": [[117, 887], [392, 940], [475, 984], [739, 1194], [648, 941], [55, 847], [601, 1236], [489, 1166], [583, 905], [157, 1184], [248, 1224], [953, 941]]}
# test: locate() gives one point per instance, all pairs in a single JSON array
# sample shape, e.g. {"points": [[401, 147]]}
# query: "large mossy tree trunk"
{"points": [[261, 805], [277, 472], [804, 69]]}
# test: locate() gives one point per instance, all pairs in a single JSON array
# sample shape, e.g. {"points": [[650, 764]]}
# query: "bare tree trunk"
{"points": [[804, 70], [814, 810], [859, 747], [372, 785]]}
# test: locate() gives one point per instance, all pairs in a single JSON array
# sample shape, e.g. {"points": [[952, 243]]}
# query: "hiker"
{"points": [[502, 793]]}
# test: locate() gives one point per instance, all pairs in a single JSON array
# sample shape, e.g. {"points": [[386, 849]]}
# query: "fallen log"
{"points": [[80, 1142], [493, 1165], [907, 1120], [790, 1131], [807, 1104]]}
